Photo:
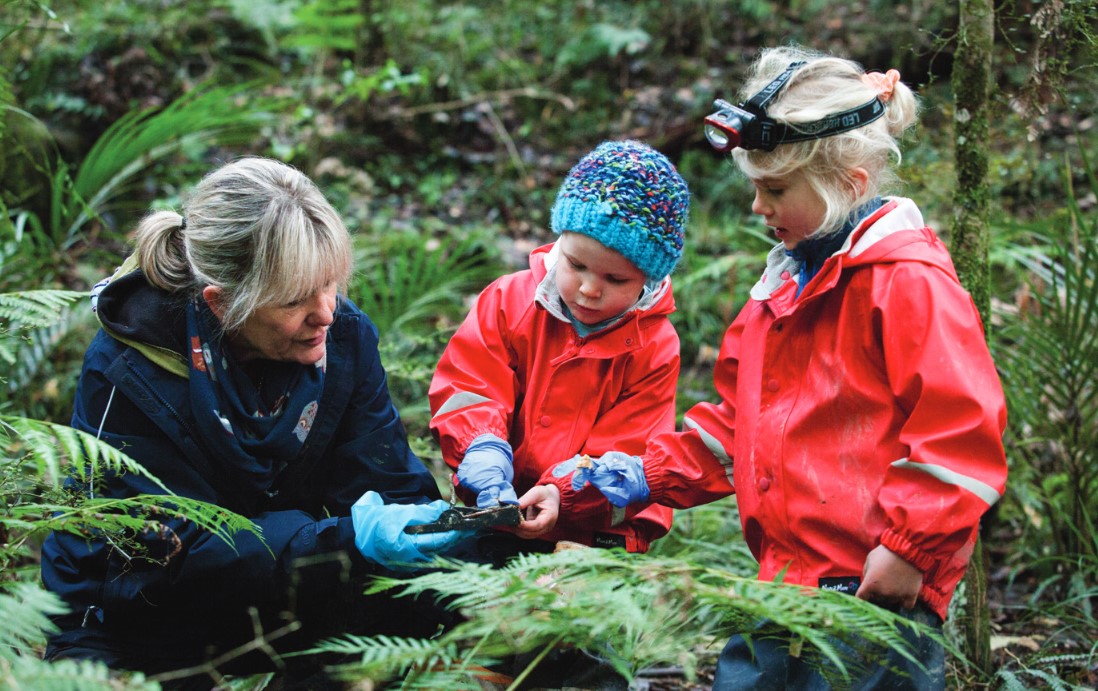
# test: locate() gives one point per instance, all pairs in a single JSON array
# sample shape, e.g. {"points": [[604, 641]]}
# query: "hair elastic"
{"points": [[883, 84]]}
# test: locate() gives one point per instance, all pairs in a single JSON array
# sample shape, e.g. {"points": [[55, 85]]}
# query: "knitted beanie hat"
{"points": [[629, 197]]}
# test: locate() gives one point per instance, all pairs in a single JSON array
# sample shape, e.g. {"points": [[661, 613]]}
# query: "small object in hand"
{"points": [[470, 518], [584, 462]]}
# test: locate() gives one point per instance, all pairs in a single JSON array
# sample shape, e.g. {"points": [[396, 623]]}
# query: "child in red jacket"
{"points": [[861, 419], [575, 355]]}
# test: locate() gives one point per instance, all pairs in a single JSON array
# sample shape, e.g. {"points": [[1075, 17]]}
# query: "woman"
{"points": [[231, 368]]}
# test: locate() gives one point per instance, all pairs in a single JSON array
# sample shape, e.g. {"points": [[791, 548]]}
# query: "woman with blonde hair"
{"points": [[232, 368]]}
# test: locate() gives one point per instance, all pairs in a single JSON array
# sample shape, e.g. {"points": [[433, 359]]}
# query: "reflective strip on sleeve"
{"points": [[951, 477], [712, 444], [462, 399]]}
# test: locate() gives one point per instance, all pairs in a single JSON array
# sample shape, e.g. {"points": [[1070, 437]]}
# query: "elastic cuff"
{"points": [[467, 440], [654, 479], [564, 486], [488, 438], [907, 551]]}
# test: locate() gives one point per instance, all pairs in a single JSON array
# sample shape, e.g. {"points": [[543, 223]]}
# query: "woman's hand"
{"points": [[888, 580], [541, 508]]}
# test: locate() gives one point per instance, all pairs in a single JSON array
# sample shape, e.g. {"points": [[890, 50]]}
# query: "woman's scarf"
{"points": [[257, 426]]}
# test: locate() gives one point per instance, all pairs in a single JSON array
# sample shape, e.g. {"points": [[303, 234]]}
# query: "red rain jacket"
{"points": [[515, 370], [867, 411]]}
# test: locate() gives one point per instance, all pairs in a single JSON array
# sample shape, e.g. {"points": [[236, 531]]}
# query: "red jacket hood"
{"points": [[896, 232]]}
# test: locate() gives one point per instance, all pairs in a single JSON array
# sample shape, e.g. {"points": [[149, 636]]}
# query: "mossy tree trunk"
{"points": [[969, 245]]}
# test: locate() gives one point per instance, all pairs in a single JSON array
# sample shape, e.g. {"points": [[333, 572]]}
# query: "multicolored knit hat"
{"points": [[629, 197]]}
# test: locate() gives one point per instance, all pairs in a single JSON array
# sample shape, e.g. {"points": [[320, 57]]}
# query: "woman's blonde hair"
{"points": [[824, 86], [256, 228]]}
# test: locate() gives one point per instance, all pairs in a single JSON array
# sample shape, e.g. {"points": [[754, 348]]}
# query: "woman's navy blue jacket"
{"points": [[190, 594]]}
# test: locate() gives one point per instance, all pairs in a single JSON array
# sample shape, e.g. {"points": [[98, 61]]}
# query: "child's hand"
{"points": [[618, 476], [541, 507], [888, 580], [486, 470]]}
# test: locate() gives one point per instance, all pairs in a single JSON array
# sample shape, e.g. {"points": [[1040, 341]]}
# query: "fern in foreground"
{"points": [[632, 611], [25, 610]]}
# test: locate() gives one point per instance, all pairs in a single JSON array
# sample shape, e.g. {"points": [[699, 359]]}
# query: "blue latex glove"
{"points": [[617, 475], [380, 536], [487, 470]]}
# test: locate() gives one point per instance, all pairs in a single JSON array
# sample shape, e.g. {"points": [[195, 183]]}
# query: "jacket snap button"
{"points": [[773, 385], [544, 420], [764, 484], [629, 341]]}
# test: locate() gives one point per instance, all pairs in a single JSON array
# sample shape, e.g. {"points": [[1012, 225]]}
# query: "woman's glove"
{"points": [[618, 475], [380, 536], [487, 470]]}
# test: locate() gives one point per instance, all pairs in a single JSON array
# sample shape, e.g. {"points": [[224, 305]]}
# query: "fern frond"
{"points": [[72, 675], [25, 609], [205, 116], [414, 283], [133, 514], [638, 611], [50, 444], [36, 308]]}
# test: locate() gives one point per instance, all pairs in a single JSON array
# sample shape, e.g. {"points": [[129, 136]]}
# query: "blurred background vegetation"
{"points": [[441, 130]]}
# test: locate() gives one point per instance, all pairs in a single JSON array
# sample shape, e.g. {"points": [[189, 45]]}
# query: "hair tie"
{"points": [[883, 84], [182, 222]]}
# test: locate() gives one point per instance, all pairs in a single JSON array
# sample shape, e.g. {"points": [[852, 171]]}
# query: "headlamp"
{"points": [[747, 126]]}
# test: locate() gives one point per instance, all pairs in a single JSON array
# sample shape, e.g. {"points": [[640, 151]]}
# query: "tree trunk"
{"points": [[969, 247]]}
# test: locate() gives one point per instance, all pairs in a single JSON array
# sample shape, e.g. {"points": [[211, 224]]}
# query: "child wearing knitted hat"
{"points": [[575, 355]]}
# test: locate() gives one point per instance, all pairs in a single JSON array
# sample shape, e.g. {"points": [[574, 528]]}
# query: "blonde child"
{"points": [[861, 415]]}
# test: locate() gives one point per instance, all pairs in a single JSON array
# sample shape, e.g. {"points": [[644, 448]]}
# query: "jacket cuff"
{"points": [[564, 486], [907, 551], [655, 480], [466, 440]]}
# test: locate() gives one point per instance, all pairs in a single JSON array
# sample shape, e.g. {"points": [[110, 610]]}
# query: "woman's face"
{"points": [[789, 206], [595, 282], [294, 332]]}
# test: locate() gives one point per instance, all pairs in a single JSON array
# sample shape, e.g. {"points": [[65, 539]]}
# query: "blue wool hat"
{"points": [[629, 197]]}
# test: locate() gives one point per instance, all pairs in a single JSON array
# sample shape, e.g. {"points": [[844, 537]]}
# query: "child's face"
{"points": [[596, 282], [790, 206]]}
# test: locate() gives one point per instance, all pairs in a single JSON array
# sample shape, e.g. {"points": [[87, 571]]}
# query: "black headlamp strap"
{"points": [[766, 133], [757, 103], [831, 125]]}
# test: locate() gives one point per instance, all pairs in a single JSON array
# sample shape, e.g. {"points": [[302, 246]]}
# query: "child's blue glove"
{"points": [[487, 470], [618, 475], [380, 536]]}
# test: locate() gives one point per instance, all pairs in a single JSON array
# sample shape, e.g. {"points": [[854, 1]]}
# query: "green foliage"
{"points": [[1051, 378], [451, 115], [191, 124], [331, 24], [36, 459], [32, 325], [414, 290], [407, 284], [25, 609], [630, 610], [129, 147]]}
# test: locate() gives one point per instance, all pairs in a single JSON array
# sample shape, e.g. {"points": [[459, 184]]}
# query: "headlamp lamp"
{"points": [[747, 126]]}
